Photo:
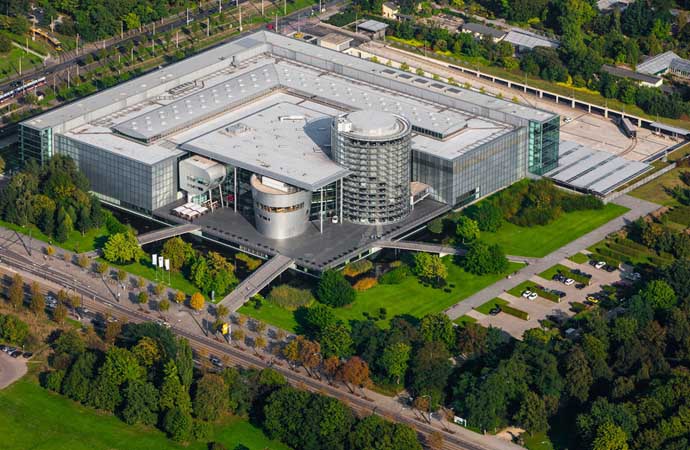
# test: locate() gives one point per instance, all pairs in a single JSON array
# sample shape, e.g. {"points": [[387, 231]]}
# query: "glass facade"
{"points": [[35, 144], [134, 184], [543, 146], [477, 173]]}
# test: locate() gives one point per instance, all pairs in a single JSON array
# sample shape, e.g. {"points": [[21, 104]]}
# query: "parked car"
{"points": [[558, 277], [609, 268], [580, 286], [495, 310], [533, 296], [3, 348], [27, 355], [599, 264], [527, 293], [560, 294], [16, 354], [216, 361], [580, 272], [592, 299], [568, 281]]}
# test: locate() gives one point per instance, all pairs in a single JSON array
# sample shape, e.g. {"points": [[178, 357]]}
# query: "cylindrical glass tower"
{"points": [[375, 146]]}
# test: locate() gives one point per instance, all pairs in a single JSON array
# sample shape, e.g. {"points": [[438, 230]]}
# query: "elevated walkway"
{"points": [[258, 280], [167, 233], [422, 247]]}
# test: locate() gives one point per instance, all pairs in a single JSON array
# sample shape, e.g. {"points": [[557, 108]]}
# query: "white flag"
{"points": [[154, 260], [167, 264], [160, 262]]}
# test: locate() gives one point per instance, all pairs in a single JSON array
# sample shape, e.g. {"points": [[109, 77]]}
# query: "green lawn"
{"points": [[465, 319], [409, 297], [76, 242], [520, 288], [9, 63], [655, 190], [579, 258], [139, 269], [538, 241], [539, 441], [491, 304], [31, 417]]}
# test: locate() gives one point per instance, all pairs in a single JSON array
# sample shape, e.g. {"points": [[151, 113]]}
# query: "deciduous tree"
{"points": [[334, 289]]}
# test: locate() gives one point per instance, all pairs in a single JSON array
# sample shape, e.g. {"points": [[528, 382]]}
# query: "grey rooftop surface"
{"points": [[524, 38], [375, 124], [627, 73], [480, 28], [284, 141], [657, 64], [593, 170], [373, 26]]}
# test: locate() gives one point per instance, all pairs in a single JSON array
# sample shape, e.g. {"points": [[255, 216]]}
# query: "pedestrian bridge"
{"points": [[415, 246], [167, 233], [257, 280]]}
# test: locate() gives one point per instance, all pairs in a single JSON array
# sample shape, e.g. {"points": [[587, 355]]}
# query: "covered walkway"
{"points": [[258, 280], [167, 233]]}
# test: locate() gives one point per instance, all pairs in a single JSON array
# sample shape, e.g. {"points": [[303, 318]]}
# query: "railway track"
{"points": [[204, 345]]}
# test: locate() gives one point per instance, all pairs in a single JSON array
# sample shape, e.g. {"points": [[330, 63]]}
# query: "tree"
{"points": [[435, 440], [467, 229], [78, 381], [532, 414], [222, 311], [317, 318], [291, 352], [260, 342], [578, 375], [13, 330], [178, 252], [375, 433], [140, 403], [197, 301], [335, 339], [158, 289], [481, 259], [355, 371], [180, 297], [60, 313], [38, 300], [394, 360], [429, 370], [121, 275], [178, 424], [83, 261], [16, 294], [164, 305], [659, 294], [173, 393], [184, 359], [5, 44], [334, 289], [435, 226], [211, 397], [610, 437], [237, 335], [437, 327], [487, 215], [122, 248], [65, 226], [101, 268], [429, 267]]}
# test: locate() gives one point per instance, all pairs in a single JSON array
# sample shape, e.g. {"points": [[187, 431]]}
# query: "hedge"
{"points": [[578, 307], [607, 259], [395, 276], [358, 268], [365, 283], [659, 262], [520, 314], [632, 244], [547, 295], [613, 254], [679, 214], [289, 297]]}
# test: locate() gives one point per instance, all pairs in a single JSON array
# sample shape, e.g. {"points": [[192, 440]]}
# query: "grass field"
{"points": [[538, 441], [520, 288], [491, 304], [538, 241], [465, 319], [409, 297], [9, 62], [551, 271], [31, 417], [579, 258], [76, 242], [177, 280], [655, 190]]}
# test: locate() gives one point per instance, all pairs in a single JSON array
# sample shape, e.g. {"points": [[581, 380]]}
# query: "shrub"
{"points": [[365, 283], [334, 289], [546, 295], [290, 297], [574, 202], [358, 268], [578, 307], [520, 314], [250, 262], [395, 276]]}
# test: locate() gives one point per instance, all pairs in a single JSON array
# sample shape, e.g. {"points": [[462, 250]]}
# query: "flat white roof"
{"points": [[283, 141]]}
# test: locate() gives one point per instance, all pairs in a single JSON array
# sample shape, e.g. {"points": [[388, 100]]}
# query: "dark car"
{"points": [[609, 268], [584, 274], [580, 286], [494, 311], [558, 277], [27, 355], [216, 361], [560, 294], [3, 348], [16, 354]]}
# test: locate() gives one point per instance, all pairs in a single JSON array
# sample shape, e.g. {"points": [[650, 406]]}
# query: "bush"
{"points": [[358, 268], [547, 295], [334, 289], [365, 283], [578, 307], [487, 215], [520, 314], [395, 276], [250, 262], [574, 202], [290, 297]]}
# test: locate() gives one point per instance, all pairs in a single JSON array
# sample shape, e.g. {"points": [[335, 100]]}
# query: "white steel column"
{"points": [[341, 199], [321, 213], [235, 187]]}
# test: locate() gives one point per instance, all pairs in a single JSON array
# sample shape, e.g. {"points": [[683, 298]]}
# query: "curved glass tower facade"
{"points": [[376, 148]]}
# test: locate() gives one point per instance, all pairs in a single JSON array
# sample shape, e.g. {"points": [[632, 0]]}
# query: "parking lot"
{"points": [[541, 308], [11, 369]]}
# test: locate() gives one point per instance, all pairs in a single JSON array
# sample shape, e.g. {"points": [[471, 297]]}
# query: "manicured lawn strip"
{"points": [[538, 241], [272, 314], [177, 280], [655, 190], [491, 304], [409, 297], [579, 258], [31, 417], [550, 272], [76, 242], [520, 288], [465, 319]]}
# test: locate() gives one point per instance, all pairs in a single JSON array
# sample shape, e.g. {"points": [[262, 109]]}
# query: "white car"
{"points": [[600, 265], [527, 293], [568, 281], [533, 296]]}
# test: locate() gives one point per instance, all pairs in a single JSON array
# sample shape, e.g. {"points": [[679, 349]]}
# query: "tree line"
{"points": [[145, 375]]}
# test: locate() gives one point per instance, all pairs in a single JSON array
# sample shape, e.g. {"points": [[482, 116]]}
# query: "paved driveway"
{"points": [[11, 369]]}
